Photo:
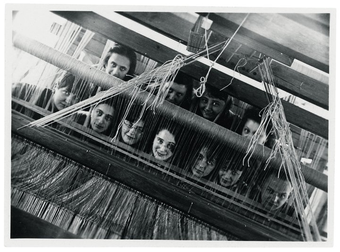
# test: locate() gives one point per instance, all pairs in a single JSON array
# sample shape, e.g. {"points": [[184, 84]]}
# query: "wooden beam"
{"points": [[178, 27], [301, 85], [161, 53], [282, 34]]}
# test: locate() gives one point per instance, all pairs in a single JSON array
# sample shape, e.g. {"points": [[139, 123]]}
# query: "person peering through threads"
{"points": [[229, 174], [133, 127], [249, 124], [165, 140], [67, 90], [272, 190], [180, 92], [214, 105], [99, 118]]}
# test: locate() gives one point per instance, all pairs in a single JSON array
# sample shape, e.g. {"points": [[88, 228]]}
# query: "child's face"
{"points": [[63, 98], [228, 177], [250, 128], [176, 93], [118, 66], [211, 107], [101, 117], [132, 132], [204, 165], [275, 193], [163, 145]]}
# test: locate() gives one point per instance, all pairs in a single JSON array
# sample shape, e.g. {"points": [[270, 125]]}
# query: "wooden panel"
{"points": [[157, 51], [301, 85], [148, 183], [283, 35]]}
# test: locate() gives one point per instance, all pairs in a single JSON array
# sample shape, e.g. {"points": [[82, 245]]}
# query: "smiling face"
{"points": [[176, 93], [211, 107], [275, 192], [117, 65], [204, 164], [131, 133], [63, 98], [250, 128], [101, 117], [228, 177], [163, 145]]}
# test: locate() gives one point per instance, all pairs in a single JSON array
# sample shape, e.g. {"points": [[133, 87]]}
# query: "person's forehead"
{"points": [[119, 59], [179, 87], [211, 97], [166, 135], [277, 184], [251, 123], [105, 108]]}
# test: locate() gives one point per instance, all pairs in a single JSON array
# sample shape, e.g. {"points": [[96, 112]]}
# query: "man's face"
{"points": [[63, 98], [117, 65], [101, 117], [132, 132], [275, 193], [176, 93], [211, 107]]}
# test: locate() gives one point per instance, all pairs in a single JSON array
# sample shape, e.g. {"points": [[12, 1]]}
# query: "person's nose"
{"points": [[171, 97], [203, 163], [162, 148], [69, 99], [276, 198], [100, 119], [208, 106], [115, 72]]}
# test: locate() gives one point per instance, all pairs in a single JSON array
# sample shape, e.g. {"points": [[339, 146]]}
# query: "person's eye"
{"points": [[170, 90], [246, 130], [211, 162], [99, 112], [108, 118], [200, 157], [216, 104], [123, 69], [179, 95], [159, 140], [113, 64], [204, 100], [171, 146], [270, 191], [283, 195]]}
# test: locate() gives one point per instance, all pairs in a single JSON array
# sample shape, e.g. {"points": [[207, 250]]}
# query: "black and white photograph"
{"points": [[169, 124]]}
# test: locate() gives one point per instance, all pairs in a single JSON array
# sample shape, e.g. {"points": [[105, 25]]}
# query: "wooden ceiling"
{"points": [[285, 37]]}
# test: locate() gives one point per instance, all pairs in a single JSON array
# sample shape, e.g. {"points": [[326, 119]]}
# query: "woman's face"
{"points": [[117, 65], [101, 117], [250, 128], [211, 107], [132, 132], [63, 98], [204, 164], [228, 177], [163, 145]]}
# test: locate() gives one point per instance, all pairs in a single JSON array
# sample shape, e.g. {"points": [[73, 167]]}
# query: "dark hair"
{"points": [[124, 51], [79, 87], [251, 113], [134, 113], [187, 81]]}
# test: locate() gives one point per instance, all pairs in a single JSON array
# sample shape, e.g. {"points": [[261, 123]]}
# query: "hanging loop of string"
{"points": [[198, 92]]}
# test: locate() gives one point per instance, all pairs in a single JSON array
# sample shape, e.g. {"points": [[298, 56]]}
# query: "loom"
{"points": [[139, 188]]}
